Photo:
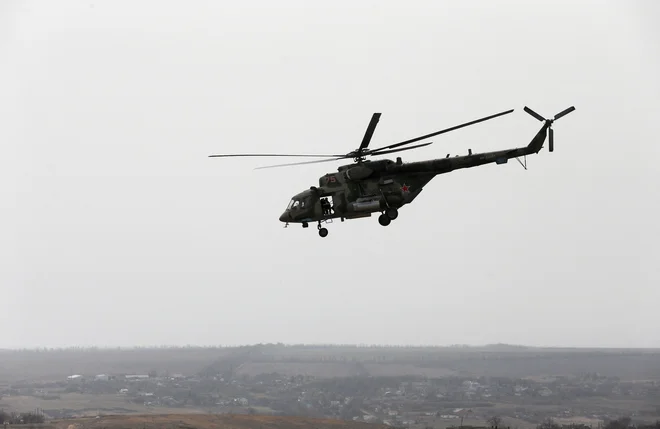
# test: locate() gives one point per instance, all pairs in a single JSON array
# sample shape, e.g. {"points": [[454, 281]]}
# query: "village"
{"points": [[402, 401]]}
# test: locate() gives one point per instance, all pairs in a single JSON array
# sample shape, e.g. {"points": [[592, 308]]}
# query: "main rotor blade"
{"points": [[273, 154], [533, 113], [564, 112], [392, 146], [300, 163], [374, 153], [370, 131]]}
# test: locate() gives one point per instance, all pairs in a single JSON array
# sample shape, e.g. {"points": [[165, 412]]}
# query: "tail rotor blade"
{"points": [[564, 112], [551, 140], [533, 113]]}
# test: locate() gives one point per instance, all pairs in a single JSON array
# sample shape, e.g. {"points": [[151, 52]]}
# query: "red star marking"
{"points": [[405, 188]]}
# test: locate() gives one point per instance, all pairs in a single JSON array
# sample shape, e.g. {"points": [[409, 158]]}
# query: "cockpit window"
{"points": [[299, 203]]}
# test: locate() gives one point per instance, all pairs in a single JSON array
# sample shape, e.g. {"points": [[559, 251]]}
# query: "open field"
{"points": [[628, 365], [206, 421], [57, 364], [397, 369], [439, 423], [85, 405], [333, 369], [339, 361], [315, 369]]}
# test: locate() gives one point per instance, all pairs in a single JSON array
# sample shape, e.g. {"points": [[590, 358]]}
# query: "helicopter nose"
{"points": [[284, 217]]}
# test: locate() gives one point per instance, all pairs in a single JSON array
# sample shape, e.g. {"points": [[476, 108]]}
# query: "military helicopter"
{"points": [[364, 187]]}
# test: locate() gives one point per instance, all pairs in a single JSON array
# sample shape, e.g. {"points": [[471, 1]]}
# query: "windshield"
{"points": [[299, 203]]}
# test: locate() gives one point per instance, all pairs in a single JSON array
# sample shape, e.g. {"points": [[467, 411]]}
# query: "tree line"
{"points": [[620, 423], [20, 418]]}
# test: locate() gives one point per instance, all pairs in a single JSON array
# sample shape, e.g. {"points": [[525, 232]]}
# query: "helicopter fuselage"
{"points": [[365, 187], [360, 189]]}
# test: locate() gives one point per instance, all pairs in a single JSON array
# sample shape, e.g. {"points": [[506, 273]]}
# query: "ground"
{"points": [[89, 405], [586, 385], [206, 421]]}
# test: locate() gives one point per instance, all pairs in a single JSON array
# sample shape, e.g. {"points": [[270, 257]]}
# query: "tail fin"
{"points": [[537, 142]]}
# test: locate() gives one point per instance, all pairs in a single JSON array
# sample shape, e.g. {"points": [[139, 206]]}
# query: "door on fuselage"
{"points": [[327, 205]]}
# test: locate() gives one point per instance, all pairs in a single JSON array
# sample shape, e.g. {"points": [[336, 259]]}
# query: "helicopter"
{"points": [[364, 187]]}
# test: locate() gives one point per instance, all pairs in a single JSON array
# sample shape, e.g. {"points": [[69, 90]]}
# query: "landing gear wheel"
{"points": [[384, 220], [392, 213], [323, 232]]}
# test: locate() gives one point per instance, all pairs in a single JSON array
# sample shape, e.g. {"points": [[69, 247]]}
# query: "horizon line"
{"points": [[325, 345]]}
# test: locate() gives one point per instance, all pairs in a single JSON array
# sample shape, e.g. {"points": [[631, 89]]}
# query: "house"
{"points": [[545, 392], [136, 377]]}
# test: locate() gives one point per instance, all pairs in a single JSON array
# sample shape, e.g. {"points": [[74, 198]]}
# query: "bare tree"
{"points": [[548, 423], [495, 421]]}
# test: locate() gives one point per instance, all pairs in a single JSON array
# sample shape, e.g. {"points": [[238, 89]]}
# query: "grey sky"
{"points": [[118, 230]]}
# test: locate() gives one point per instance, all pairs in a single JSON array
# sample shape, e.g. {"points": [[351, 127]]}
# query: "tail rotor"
{"points": [[551, 137]]}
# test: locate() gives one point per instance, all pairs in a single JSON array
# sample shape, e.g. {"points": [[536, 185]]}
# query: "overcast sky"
{"points": [[117, 229]]}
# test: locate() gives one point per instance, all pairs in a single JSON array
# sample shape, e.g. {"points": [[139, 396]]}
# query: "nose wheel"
{"points": [[323, 232]]}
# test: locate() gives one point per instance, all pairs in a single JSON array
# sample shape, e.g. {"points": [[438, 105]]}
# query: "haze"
{"points": [[117, 229]]}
